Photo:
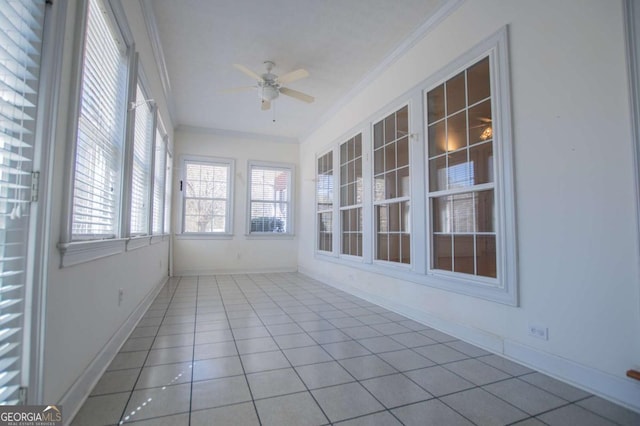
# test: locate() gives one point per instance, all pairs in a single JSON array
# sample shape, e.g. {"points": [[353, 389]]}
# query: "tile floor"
{"points": [[283, 349]]}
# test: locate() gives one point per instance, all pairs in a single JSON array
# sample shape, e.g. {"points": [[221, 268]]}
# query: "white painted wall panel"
{"points": [[574, 174], [238, 254]]}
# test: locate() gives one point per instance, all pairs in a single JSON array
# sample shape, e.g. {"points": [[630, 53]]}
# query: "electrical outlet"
{"points": [[120, 296], [539, 331]]}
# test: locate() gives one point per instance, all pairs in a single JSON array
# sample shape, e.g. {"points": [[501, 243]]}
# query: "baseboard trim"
{"points": [[76, 395], [620, 390], [231, 271]]}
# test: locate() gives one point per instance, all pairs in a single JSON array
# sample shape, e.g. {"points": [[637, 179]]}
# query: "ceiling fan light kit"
{"points": [[270, 85]]}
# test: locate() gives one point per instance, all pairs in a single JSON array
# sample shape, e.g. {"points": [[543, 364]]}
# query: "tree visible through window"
{"points": [[206, 197]]}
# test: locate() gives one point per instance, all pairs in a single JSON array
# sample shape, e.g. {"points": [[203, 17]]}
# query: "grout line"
{"points": [[133, 389]]}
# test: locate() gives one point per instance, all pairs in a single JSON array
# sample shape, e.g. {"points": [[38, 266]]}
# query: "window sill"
{"points": [[155, 239], [269, 236], [138, 242], [457, 284], [85, 251], [204, 236]]}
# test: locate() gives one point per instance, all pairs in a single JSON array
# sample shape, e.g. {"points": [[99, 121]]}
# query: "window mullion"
{"points": [[152, 170], [125, 206]]}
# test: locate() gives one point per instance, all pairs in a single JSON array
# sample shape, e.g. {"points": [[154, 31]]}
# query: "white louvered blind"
{"points": [[141, 172], [20, 45], [168, 179], [97, 178], [158, 183]]}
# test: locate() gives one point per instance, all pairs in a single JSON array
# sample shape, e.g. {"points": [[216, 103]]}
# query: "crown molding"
{"points": [[447, 8], [236, 134], [158, 54]]}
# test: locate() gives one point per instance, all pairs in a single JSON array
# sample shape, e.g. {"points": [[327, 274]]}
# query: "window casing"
{"points": [[141, 167], [324, 201], [351, 196], [391, 187], [207, 196], [270, 199], [100, 138]]}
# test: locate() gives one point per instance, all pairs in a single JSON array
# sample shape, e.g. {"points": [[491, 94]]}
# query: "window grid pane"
{"points": [[391, 187], [141, 171], [159, 183], [206, 189], [270, 198], [324, 201], [351, 196], [460, 155], [96, 189]]}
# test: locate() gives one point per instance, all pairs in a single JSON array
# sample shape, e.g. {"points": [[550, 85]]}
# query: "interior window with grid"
{"points": [[206, 190], [141, 170], [324, 200], [270, 199], [391, 196], [351, 196], [99, 145], [461, 173]]}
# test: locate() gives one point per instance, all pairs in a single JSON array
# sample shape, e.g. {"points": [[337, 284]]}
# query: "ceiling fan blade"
{"points": [[237, 89], [266, 105], [293, 76], [248, 72], [298, 95]]}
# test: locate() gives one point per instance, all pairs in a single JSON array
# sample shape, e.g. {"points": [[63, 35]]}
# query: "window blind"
{"points": [[141, 171], [270, 194], [167, 193], [20, 44], [97, 178], [158, 183]]}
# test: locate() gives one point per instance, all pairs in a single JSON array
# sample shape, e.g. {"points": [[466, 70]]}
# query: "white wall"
{"points": [[576, 217], [239, 253], [82, 312]]}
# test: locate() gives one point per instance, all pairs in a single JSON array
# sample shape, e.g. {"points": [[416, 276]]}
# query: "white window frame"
{"points": [[360, 205], [290, 204], [161, 142], [75, 252], [168, 190], [230, 165], [396, 200], [505, 288], [144, 103], [330, 210]]}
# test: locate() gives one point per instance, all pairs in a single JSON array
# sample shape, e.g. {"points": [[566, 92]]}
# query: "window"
{"points": [[168, 190], [21, 25], [391, 187], [351, 196], [98, 156], [461, 173], [141, 169], [454, 189], [159, 173], [206, 188], [324, 201], [270, 189]]}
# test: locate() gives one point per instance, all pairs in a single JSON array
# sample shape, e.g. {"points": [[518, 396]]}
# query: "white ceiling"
{"points": [[338, 41]]}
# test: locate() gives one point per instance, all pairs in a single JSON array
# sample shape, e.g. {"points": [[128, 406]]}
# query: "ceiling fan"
{"points": [[270, 86]]}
